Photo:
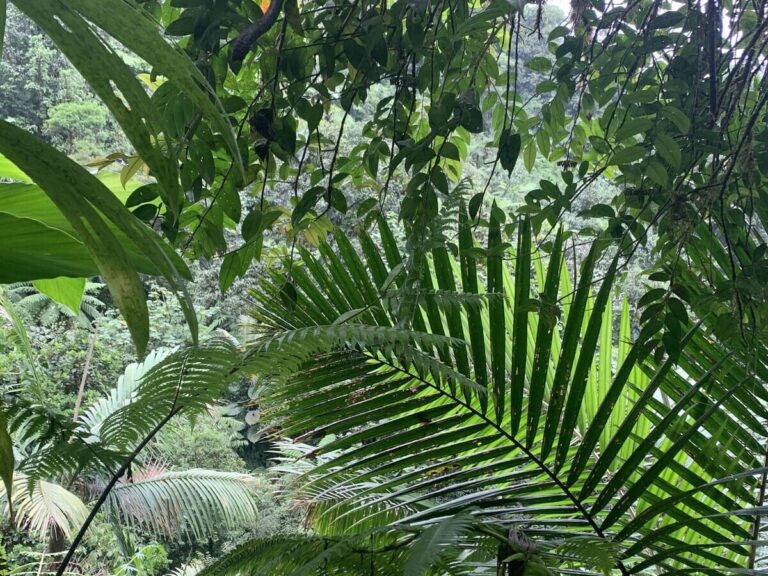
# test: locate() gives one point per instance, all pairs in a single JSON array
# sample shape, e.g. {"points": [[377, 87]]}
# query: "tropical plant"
{"points": [[510, 400], [656, 446], [618, 94], [46, 311], [76, 196], [61, 466]]}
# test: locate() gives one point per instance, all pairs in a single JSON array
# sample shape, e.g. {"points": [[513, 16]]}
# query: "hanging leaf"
{"points": [[669, 150], [509, 150], [88, 206], [66, 291]]}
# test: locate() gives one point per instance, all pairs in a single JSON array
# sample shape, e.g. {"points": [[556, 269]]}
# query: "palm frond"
{"points": [[431, 544], [121, 395], [42, 505], [616, 439], [187, 504], [188, 379], [304, 555]]}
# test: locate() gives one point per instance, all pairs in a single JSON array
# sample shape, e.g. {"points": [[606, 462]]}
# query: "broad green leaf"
{"points": [[446, 282], [66, 291], [649, 475], [657, 172], [677, 117], [539, 64], [30, 202], [9, 171], [42, 504], [633, 127], [607, 457], [529, 155], [480, 20], [666, 20], [66, 183], [629, 155], [32, 250]]}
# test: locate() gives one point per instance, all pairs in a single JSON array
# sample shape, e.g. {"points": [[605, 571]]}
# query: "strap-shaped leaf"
{"points": [[497, 320], [67, 23], [546, 326], [66, 183], [569, 351], [83, 198], [585, 362], [650, 475], [469, 285], [520, 324], [607, 458], [598, 424]]}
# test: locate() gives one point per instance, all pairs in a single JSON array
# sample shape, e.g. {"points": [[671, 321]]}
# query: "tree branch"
{"points": [[252, 33]]}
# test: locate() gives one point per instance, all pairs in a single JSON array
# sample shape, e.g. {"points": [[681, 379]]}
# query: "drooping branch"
{"points": [[252, 33]]}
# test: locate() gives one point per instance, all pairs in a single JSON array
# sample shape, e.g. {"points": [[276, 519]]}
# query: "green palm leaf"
{"points": [[618, 442], [41, 505], [193, 504]]}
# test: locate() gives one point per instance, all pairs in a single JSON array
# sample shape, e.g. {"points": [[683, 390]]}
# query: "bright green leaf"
{"points": [[66, 291]]}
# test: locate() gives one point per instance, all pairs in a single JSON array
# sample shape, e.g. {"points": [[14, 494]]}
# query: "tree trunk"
{"points": [[86, 369]]}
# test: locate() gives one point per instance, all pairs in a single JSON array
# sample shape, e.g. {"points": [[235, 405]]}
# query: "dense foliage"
{"points": [[481, 285]]}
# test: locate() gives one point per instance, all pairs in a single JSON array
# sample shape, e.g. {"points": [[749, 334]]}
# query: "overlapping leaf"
{"points": [[408, 437]]}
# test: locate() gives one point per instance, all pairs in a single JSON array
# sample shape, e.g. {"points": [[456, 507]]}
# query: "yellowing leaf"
{"points": [[153, 84]]}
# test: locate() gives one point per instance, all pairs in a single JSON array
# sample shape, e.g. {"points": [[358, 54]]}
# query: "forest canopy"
{"points": [[383, 287]]}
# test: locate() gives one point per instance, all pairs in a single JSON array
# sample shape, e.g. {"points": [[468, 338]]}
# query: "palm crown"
{"points": [[510, 406]]}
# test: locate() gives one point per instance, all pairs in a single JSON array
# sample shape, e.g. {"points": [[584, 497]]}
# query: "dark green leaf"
{"points": [[666, 20], [509, 150]]}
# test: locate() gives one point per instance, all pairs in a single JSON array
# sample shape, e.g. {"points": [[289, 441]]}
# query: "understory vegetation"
{"points": [[406, 287]]}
